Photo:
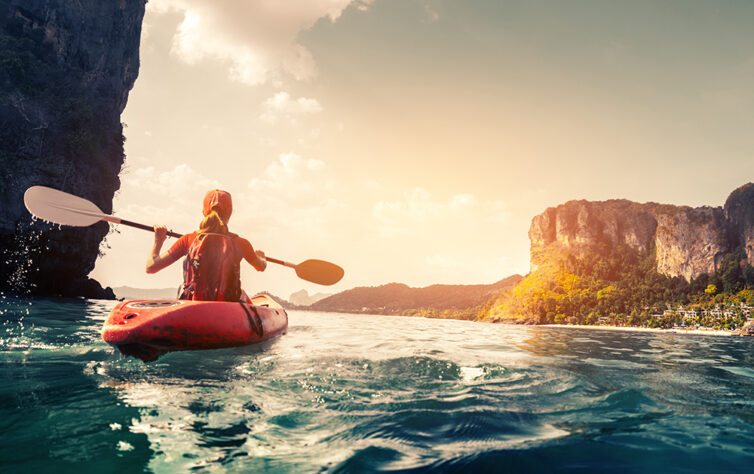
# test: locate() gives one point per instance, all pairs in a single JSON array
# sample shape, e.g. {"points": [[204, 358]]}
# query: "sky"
{"points": [[413, 140]]}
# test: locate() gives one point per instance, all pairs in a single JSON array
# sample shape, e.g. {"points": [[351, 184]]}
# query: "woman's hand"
{"points": [[156, 262], [261, 261], [160, 234]]}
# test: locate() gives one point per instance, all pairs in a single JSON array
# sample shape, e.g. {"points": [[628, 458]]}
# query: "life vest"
{"points": [[212, 269]]}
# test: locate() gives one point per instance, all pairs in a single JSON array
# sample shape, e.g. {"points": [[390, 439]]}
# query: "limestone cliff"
{"points": [[687, 241], [67, 68], [739, 213], [583, 226], [690, 241]]}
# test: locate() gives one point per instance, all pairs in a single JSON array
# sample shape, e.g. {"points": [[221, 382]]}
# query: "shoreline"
{"points": [[706, 332]]}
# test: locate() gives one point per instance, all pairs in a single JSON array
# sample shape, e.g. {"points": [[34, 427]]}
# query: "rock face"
{"points": [[739, 212], [687, 241], [303, 298], [690, 241], [584, 226], [67, 68]]}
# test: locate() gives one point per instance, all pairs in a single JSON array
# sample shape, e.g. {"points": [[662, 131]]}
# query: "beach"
{"points": [[707, 332]]}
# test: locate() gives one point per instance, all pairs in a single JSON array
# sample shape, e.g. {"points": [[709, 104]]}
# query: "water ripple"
{"points": [[355, 393]]}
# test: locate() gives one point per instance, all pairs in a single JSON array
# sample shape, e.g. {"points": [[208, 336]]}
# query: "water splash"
{"points": [[22, 257]]}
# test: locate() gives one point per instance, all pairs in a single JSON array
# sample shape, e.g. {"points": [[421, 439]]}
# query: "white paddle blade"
{"points": [[61, 208]]}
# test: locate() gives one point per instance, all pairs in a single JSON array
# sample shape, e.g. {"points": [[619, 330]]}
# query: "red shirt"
{"points": [[181, 247]]}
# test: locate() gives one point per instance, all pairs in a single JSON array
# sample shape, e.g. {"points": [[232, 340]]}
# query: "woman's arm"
{"points": [[255, 258], [157, 262], [259, 261]]}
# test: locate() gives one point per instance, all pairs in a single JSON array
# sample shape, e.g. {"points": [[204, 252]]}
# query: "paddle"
{"points": [[62, 208]]}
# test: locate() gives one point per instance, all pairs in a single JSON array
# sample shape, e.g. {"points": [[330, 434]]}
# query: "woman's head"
{"points": [[220, 201], [216, 208]]}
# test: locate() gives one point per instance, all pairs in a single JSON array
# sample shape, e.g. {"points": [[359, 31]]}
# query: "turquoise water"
{"points": [[354, 393]]}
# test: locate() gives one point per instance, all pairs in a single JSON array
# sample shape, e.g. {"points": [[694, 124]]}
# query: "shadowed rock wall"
{"points": [[66, 70]]}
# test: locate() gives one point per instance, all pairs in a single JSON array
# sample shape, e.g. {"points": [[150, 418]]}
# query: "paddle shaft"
{"points": [[53, 205], [280, 262], [315, 271], [142, 226], [117, 220]]}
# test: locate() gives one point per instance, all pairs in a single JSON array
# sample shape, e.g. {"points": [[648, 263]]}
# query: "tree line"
{"points": [[622, 287]]}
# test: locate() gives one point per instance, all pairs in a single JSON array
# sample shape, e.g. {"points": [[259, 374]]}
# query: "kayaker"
{"points": [[212, 269]]}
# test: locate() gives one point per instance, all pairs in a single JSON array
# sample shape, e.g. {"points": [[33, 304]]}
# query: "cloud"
{"points": [[257, 39], [171, 196], [419, 206], [290, 172], [175, 183], [293, 195], [441, 239], [373, 185], [282, 106], [295, 209], [459, 201], [419, 214], [431, 15]]}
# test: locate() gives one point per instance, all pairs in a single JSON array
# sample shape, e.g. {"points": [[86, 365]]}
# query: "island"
{"points": [[611, 263]]}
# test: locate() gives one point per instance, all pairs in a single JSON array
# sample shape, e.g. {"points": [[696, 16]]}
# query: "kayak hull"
{"points": [[147, 329]]}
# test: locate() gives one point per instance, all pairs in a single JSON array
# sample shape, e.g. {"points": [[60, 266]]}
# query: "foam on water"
{"points": [[354, 393]]}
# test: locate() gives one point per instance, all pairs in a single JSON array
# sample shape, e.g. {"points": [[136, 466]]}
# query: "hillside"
{"points": [[396, 298], [628, 261]]}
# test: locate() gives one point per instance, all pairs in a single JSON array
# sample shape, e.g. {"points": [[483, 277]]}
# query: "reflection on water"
{"points": [[354, 393]]}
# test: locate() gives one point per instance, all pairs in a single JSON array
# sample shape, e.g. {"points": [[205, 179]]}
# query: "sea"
{"points": [[348, 393]]}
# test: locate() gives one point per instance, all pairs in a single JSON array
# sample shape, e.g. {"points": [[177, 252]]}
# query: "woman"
{"points": [[212, 269]]}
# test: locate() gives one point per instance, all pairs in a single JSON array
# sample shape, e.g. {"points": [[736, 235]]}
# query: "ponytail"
{"points": [[213, 224]]}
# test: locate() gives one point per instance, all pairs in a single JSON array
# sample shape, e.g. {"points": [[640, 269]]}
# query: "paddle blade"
{"points": [[61, 208], [319, 271]]}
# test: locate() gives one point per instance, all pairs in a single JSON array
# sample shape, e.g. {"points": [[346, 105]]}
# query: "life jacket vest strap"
{"points": [[254, 321]]}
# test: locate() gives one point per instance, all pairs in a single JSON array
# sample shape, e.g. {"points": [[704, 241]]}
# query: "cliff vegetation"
{"points": [[624, 263], [621, 287]]}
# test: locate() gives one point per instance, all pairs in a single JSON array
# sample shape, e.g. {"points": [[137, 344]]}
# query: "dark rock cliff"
{"points": [[739, 212], [687, 241], [66, 71]]}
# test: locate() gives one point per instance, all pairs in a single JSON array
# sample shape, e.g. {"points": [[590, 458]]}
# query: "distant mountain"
{"points": [[129, 293], [303, 298], [395, 298]]}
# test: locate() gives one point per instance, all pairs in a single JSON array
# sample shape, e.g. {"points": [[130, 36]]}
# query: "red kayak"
{"points": [[147, 329]]}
